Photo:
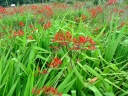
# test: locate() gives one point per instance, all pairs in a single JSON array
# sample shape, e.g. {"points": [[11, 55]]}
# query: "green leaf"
{"points": [[66, 80], [89, 69], [69, 85], [20, 65], [10, 93], [95, 90], [109, 94]]}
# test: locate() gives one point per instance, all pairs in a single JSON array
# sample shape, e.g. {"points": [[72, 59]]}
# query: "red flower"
{"points": [[33, 7], [55, 63], [83, 39], [21, 24], [99, 9], [68, 36], [111, 2], [62, 38], [82, 43], [34, 90], [48, 8], [121, 11], [2, 10], [20, 33], [46, 89], [51, 90], [122, 24], [43, 72], [83, 17], [96, 29], [47, 25], [30, 37], [93, 13], [60, 94], [38, 92], [15, 33], [92, 47], [91, 41]]}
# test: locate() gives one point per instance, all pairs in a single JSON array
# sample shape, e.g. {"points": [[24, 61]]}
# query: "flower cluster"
{"points": [[2, 10], [21, 24], [46, 10], [34, 7], [74, 43], [47, 25], [19, 33], [41, 71], [110, 2], [55, 63], [78, 19], [83, 43], [62, 38], [122, 24], [46, 90], [30, 37], [116, 10], [95, 11]]}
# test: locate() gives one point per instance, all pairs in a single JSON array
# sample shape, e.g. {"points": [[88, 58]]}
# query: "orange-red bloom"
{"points": [[62, 38], [21, 24], [19, 33], [122, 24], [55, 63], [83, 43], [111, 2], [30, 37], [47, 25]]}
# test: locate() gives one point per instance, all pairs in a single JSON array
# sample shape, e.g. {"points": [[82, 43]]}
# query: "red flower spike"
{"points": [[2, 10], [121, 11], [21, 24], [91, 41], [33, 7], [68, 36], [46, 89], [33, 90], [82, 39], [48, 8], [30, 37], [62, 38], [93, 13], [122, 24], [57, 60], [60, 94], [43, 72], [52, 89], [15, 33], [55, 63], [47, 25], [38, 91], [20, 33], [110, 2], [99, 9], [92, 47], [83, 17]]}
